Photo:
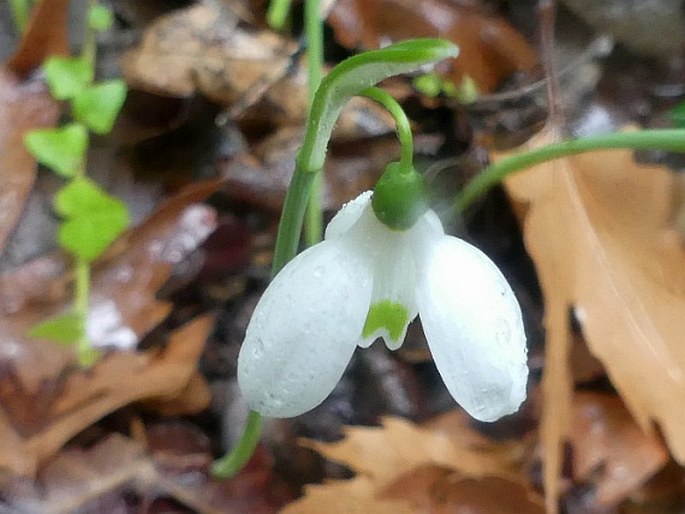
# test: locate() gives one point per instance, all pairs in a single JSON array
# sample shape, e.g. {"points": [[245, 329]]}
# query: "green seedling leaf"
{"points": [[351, 77], [63, 150], [677, 115], [430, 84], [88, 356], [65, 329], [98, 106], [67, 76], [100, 18], [93, 219]]}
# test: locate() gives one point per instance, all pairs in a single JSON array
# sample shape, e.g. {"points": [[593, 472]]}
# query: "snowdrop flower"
{"points": [[366, 280]]}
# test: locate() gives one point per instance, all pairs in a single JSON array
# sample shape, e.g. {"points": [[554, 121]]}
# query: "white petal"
{"points": [[474, 329], [348, 215], [304, 330]]}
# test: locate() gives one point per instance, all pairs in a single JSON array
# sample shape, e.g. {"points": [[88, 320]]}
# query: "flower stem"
{"points": [[277, 13], [401, 123], [230, 464], [668, 139], [89, 48], [21, 11], [313, 227]]}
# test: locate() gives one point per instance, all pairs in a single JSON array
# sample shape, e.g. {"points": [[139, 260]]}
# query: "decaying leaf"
{"points": [[201, 48], [609, 449], [437, 467], [437, 490], [489, 48], [598, 229], [44, 400], [26, 105], [356, 496], [118, 472]]}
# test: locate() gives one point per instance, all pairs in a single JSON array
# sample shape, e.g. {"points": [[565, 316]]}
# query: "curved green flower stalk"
{"points": [[667, 139], [349, 78]]}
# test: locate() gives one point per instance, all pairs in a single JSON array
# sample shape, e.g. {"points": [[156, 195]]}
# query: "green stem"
{"points": [[290, 226], [402, 124], [313, 227], [21, 11], [670, 140], [87, 355], [278, 13], [230, 464], [89, 42]]}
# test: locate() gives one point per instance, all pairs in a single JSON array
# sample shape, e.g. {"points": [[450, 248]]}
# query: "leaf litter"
{"points": [[49, 410]]}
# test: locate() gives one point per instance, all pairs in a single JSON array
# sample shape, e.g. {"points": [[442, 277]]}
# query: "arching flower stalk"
{"points": [[385, 259]]}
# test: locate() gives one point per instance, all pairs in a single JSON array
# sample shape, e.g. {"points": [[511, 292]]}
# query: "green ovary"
{"points": [[388, 315]]}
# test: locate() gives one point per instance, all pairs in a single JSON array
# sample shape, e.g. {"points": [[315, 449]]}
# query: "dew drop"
{"points": [[258, 349], [319, 271], [503, 333]]}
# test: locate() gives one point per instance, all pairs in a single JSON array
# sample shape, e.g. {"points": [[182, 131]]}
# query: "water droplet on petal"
{"points": [[503, 333], [319, 271]]}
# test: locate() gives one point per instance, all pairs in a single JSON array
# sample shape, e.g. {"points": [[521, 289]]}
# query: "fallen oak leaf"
{"points": [[399, 446], [598, 228], [437, 490], [609, 449], [118, 380], [202, 48]]}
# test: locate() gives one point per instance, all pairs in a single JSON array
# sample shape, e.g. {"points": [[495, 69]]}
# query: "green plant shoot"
{"points": [[91, 218]]}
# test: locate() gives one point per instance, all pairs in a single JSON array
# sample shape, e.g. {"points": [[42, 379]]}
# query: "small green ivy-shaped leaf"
{"points": [[63, 150], [65, 329], [98, 106], [93, 219], [67, 76], [100, 18]]}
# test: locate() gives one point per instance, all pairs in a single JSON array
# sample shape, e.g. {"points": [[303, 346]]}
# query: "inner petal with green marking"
{"points": [[388, 315]]}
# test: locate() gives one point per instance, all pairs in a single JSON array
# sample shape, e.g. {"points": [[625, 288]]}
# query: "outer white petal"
{"points": [[348, 215], [304, 330], [474, 329]]}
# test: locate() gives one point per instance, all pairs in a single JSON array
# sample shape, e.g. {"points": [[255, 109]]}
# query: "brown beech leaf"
{"points": [[489, 48], [610, 449], [356, 496], [598, 229], [24, 106], [86, 396], [44, 400], [118, 471], [45, 35], [201, 48], [437, 490], [399, 446]]}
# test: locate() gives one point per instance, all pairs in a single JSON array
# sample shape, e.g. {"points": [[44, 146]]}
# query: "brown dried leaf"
{"points": [[24, 106], [399, 446], [45, 35], [44, 400], [489, 48], [356, 496], [108, 476], [201, 48], [610, 449], [436, 490], [85, 397], [598, 229]]}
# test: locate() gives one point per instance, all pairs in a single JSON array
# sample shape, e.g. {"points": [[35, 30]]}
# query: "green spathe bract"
{"points": [[92, 218], [62, 149]]}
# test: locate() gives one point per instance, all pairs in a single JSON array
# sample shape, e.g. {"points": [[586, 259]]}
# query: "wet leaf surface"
{"points": [[490, 49]]}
